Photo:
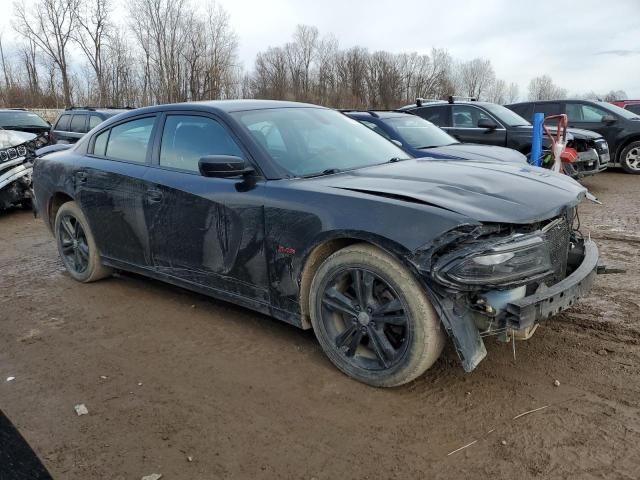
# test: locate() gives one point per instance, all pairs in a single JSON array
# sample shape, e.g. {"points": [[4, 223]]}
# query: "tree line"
{"points": [[71, 52]]}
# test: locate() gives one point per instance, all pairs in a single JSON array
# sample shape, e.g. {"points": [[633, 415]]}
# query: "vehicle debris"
{"points": [[10, 379], [153, 476], [81, 409], [556, 383]]}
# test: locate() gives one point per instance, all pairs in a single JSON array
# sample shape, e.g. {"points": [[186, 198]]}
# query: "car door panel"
{"points": [[464, 126], [208, 231], [112, 192]]}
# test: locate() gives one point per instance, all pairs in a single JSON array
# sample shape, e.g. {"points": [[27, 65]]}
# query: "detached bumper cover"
{"points": [[552, 300]]}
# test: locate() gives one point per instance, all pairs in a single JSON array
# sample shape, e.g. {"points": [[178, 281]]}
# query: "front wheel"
{"points": [[372, 317], [76, 245], [630, 158]]}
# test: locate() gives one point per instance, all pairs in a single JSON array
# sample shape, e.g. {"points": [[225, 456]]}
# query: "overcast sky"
{"points": [[585, 45]]}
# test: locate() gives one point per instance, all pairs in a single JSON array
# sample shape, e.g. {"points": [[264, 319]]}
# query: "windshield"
{"points": [[310, 141], [619, 111], [21, 119], [506, 116], [419, 133]]}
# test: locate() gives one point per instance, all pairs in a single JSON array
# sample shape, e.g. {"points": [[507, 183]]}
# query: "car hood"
{"points": [[12, 138], [483, 191], [576, 132], [470, 151]]}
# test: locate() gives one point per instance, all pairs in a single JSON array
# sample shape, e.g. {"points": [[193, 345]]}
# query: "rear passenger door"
{"points": [[111, 189], [465, 127], [203, 230]]}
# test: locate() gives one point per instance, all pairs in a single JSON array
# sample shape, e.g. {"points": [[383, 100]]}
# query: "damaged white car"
{"points": [[16, 165]]}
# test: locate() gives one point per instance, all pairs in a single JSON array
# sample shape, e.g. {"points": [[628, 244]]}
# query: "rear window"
{"points": [[78, 123], [21, 119], [63, 123]]}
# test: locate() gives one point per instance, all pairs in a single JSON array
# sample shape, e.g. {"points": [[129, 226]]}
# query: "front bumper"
{"points": [[549, 301], [591, 162]]}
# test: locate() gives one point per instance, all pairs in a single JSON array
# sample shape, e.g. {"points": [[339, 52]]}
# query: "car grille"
{"points": [[558, 235], [602, 147]]}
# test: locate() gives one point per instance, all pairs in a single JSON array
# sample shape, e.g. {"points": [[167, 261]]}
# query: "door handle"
{"points": [[154, 196], [81, 178]]}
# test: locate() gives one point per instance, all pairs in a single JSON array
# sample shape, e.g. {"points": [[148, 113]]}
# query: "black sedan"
{"points": [[301, 213]]}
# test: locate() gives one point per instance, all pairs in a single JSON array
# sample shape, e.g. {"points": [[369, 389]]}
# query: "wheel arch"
{"points": [[624, 144], [55, 202], [325, 247]]}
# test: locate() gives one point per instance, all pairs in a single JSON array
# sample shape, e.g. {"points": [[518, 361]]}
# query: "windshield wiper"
{"points": [[328, 171]]}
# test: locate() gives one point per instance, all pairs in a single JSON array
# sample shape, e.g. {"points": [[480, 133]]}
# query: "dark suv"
{"points": [[492, 124], [620, 127], [74, 122]]}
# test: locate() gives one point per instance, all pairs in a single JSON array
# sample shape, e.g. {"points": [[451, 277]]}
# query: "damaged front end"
{"points": [[502, 279], [16, 166]]}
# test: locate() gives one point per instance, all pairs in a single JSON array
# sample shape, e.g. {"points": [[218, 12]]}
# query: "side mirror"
{"points": [[488, 124], [223, 166], [608, 119]]}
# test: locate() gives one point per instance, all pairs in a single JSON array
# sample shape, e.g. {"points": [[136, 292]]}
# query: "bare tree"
{"points": [[475, 77], [91, 35], [49, 24], [497, 93], [543, 88], [513, 93]]}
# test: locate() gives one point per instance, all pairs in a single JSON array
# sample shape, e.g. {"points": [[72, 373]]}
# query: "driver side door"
{"points": [[204, 231]]}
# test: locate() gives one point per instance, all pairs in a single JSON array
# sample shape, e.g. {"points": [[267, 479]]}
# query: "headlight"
{"points": [[500, 265]]}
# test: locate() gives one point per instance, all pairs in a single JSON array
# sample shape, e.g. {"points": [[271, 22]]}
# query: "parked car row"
{"points": [[304, 214], [620, 127]]}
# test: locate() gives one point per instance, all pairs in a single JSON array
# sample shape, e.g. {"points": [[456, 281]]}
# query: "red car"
{"points": [[631, 105]]}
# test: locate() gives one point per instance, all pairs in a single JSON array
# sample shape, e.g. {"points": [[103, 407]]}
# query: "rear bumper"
{"points": [[528, 311]]}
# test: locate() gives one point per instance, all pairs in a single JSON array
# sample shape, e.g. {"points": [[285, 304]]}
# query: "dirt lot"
{"points": [[167, 375]]}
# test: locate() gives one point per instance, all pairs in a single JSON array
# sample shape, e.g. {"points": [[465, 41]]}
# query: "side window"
{"points": [[375, 128], [634, 108], [100, 144], [129, 141], [525, 110], [592, 114], [574, 112], [465, 116], [94, 121], [78, 123], [63, 123], [436, 115], [548, 109], [186, 139]]}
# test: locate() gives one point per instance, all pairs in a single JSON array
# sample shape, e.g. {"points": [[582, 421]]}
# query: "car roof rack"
{"points": [[420, 101], [93, 109], [454, 98]]}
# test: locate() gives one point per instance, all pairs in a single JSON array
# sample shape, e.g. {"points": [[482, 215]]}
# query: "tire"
{"points": [[357, 338], [77, 246], [630, 158]]}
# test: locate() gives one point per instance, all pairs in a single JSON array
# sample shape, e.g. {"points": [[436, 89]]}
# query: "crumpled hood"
{"points": [[470, 151], [483, 191], [12, 138]]}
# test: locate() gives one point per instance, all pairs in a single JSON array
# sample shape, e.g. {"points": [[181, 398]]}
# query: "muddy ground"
{"points": [[167, 375]]}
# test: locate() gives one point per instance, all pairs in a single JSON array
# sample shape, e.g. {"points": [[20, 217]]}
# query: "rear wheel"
{"points": [[77, 246], [630, 158], [372, 317]]}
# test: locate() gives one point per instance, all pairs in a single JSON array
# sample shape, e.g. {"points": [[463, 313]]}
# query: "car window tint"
{"points": [[435, 115], [574, 112], [635, 108], [186, 139], [547, 108], [100, 144], [525, 110], [94, 121], [78, 123], [375, 128], [467, 117], [129, 141], [63, 123], [592, 114]]}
